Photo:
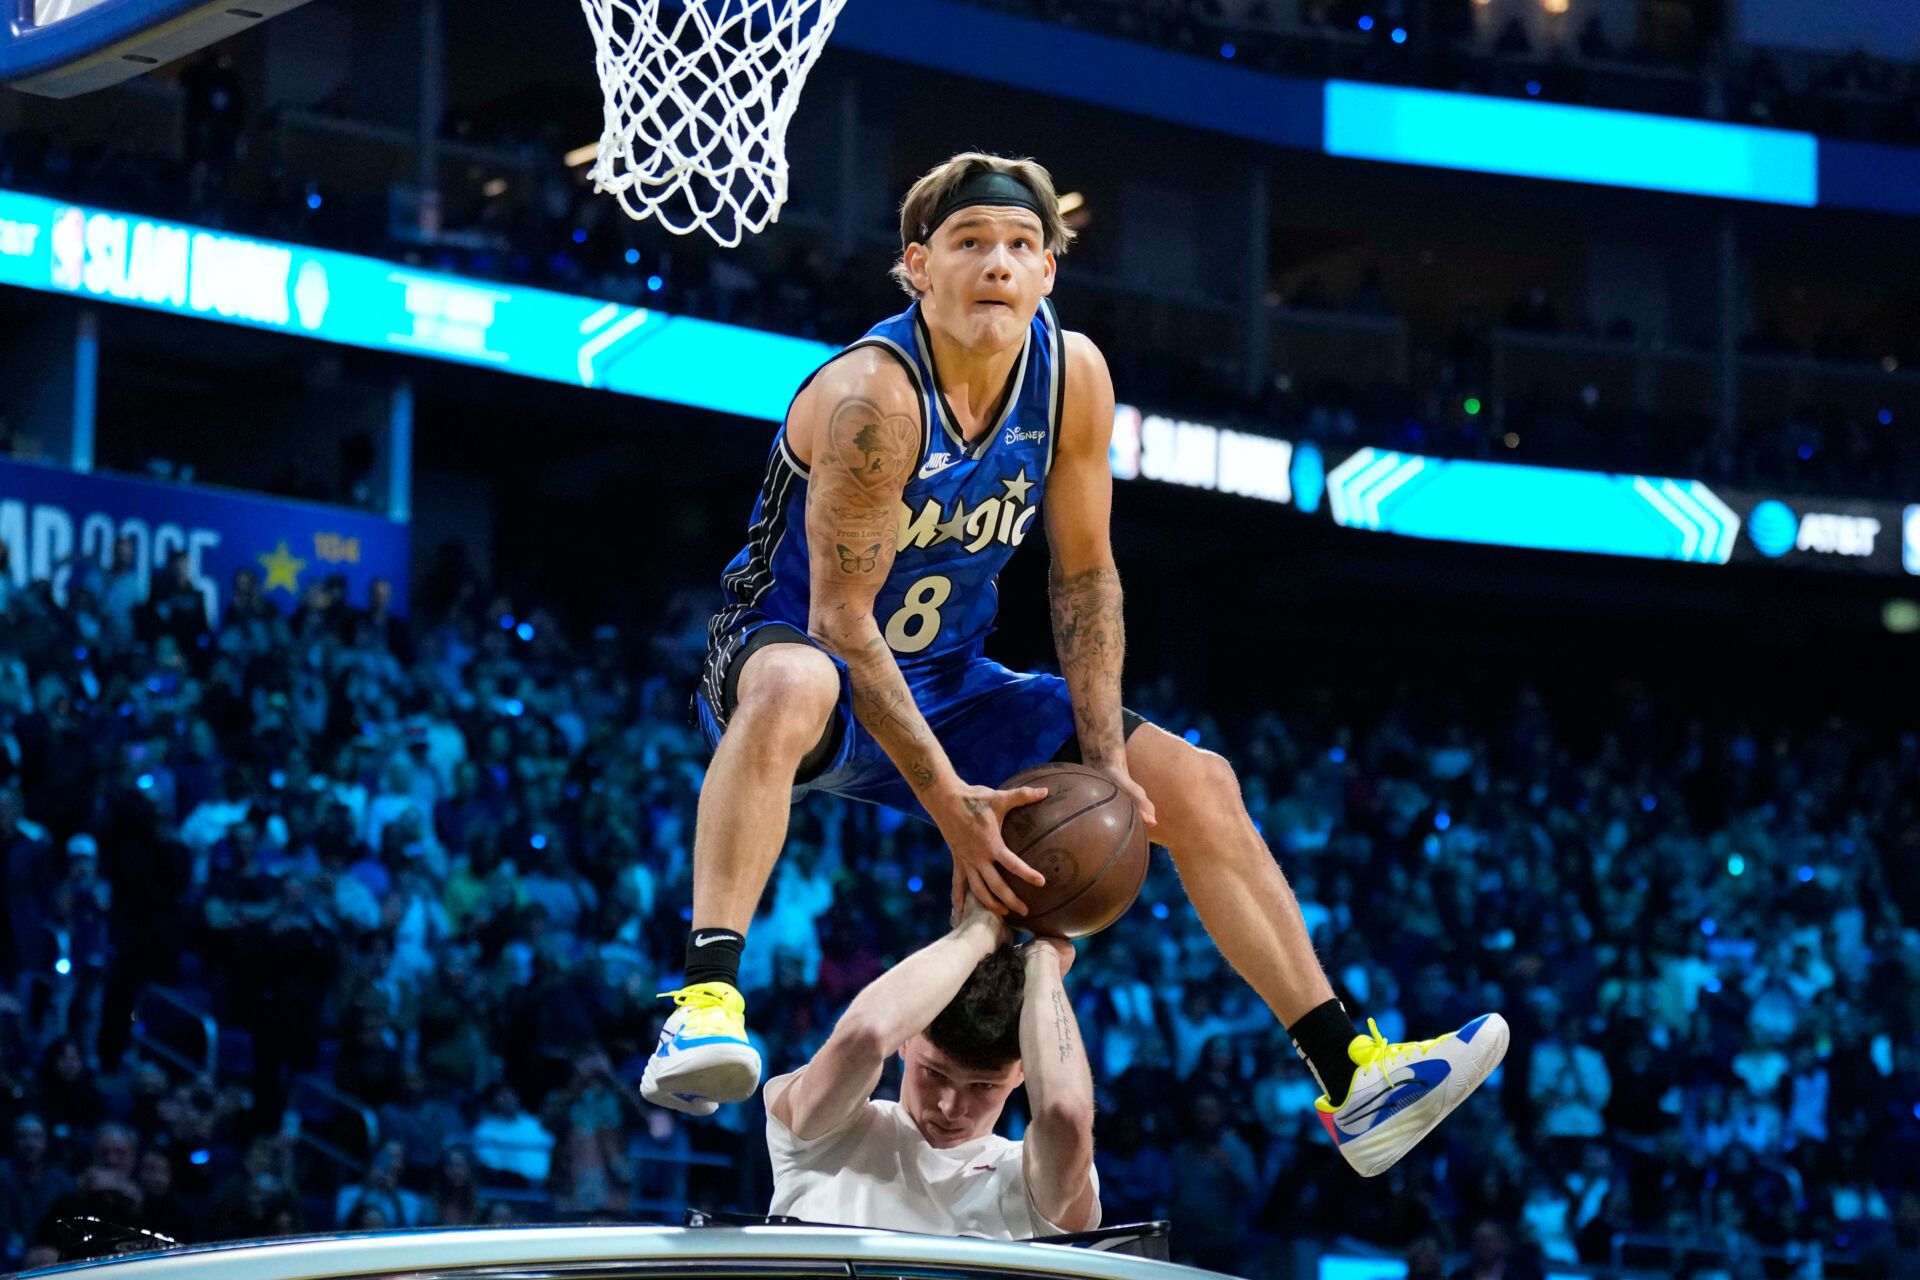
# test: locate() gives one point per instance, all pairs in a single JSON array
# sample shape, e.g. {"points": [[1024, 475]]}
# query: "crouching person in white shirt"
{"points": [[971, 1018]]}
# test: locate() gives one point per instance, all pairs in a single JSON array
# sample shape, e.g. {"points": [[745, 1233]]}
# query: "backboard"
{"points": [[61, 48]]}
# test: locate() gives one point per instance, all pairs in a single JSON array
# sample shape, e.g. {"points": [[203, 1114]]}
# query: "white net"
{"points": [[699, 94]]}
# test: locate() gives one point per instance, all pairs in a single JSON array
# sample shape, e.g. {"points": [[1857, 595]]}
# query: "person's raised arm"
{"points": [[1059, 1142], [893, 1008], [1089, 627], [860, 423]]}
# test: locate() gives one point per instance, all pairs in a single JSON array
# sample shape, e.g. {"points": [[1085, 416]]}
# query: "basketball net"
{"points": [[698, 99]]}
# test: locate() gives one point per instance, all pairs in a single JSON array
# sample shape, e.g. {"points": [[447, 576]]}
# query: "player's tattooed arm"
{"points": [[1059, 1141], [1084, 587], [866, 439], [863, 459], [1090, 635]]}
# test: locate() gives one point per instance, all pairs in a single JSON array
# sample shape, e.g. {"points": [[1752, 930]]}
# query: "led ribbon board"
{"points": [[1503, 504], [1512, 506], [382, 306], [1199, 456], [1571, 144]]}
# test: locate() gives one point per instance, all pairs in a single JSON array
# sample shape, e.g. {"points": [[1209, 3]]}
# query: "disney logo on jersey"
{"points": [[1003, 518], [1015, 435]]}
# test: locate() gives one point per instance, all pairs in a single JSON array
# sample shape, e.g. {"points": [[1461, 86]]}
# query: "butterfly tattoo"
{"points": [[858, 561]]}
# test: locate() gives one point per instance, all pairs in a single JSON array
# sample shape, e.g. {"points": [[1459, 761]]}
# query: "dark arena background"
{"points": [[1517, 478]]}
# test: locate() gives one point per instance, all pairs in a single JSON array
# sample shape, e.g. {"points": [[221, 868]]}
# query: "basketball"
{"points": [[1087, 839]]}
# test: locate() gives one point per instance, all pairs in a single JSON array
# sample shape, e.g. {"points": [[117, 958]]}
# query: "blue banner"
{"points": [[1571, 144], [49, 517], [1514, 506], [1207, 90], [1600, 513], [382, 306]]}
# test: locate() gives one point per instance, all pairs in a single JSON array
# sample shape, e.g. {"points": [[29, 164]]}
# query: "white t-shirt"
{"points": [[877, 1170]]}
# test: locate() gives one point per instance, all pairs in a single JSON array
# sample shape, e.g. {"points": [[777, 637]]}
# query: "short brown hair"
{"points": [[926, 196], [980, 1027]]}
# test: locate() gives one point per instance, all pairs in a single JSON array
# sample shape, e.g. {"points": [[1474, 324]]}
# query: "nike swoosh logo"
{"points": [[715, 937], [936, 465], [1375, 1100]]}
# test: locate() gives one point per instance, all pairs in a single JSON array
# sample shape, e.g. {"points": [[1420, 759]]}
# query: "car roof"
{"points": [[421, 1255]]}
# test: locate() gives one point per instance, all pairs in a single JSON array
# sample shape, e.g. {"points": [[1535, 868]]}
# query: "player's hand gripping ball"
{"points": [[1087, 839]]}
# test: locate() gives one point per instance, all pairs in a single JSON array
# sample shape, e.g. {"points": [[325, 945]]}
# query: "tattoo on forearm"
{"points": [[888, 711], [1063, 1025], [853, 513], [852, 561], [1089, 630]]}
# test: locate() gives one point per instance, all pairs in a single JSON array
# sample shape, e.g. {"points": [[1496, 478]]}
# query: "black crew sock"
{"points": [[1321, 1039], [713, 955]]}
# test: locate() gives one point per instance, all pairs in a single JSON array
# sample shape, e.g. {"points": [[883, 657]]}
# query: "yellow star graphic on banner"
{"points": [[283, 569]]}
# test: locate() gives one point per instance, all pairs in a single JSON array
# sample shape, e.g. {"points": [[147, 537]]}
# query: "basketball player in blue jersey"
{"points": [[848, 658]]}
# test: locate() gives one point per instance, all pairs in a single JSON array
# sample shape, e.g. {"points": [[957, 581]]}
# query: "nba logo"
{"points": [[1123, 455], [1910, 543], [69, 248]]}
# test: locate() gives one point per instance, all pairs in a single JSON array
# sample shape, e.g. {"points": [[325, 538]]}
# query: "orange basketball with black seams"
{"points": [[1087, 839]]}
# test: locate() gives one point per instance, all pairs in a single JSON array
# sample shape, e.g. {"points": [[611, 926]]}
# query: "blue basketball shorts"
{"points": [[992, 722]]}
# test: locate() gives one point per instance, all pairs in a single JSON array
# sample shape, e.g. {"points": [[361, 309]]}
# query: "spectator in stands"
{"points": [[175, 607], [123, 592], [160, 1209], [426, 1125], [260, 1205], [589, 1175], [1213, 1180], [1136, 1175], [70, 1098], [383, 630], [31, 1180], [1490, 1257], [1426, 1260], [1570, 1083], [1898, 1253], [1777, 1040], [508, 1140], [31, 876], [454, 1200], [381, 1191]]}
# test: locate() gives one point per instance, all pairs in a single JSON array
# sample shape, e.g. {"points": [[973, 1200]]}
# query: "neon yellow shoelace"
{"points": [[713, 1008], [1374, 1049]]}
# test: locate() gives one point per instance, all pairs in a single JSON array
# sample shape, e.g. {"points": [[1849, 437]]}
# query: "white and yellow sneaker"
{"points": [[1401, 1091], [704, 1058]]}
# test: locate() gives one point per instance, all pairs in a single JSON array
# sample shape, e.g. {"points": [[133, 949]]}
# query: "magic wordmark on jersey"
{"points": [[1004, 518]]}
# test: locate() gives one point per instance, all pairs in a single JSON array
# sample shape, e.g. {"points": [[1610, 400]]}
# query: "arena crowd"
{"points": [[428, 876]]}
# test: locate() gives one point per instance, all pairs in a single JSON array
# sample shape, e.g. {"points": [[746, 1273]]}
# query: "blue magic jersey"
{"points": [[962, 515]]}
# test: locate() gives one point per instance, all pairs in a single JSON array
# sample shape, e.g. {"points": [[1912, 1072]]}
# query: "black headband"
{"points": [[989, 186]]}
